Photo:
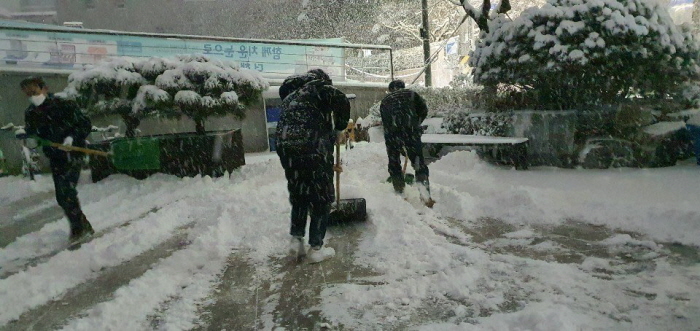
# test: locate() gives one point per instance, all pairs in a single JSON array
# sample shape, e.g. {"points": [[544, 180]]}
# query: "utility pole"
{"points": [[426, 44], [696, 16]]}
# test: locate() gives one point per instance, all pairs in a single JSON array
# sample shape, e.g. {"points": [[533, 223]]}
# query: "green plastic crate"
{"points": [[136, 154]]}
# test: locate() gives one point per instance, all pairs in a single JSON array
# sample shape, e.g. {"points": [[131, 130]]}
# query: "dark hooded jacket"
{"points": [[54, 120], [402, 113], [312, 113]]}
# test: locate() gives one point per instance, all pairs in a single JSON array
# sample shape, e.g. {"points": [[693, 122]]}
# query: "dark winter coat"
{"points": [[402, 113], [311, 117], [54, 120]]}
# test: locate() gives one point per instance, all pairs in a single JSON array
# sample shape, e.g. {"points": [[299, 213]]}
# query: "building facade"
{"points": [[225, 18], [37, 11]]}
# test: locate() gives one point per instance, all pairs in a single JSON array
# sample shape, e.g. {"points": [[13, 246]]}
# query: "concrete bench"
{"points": [[517, 146]]}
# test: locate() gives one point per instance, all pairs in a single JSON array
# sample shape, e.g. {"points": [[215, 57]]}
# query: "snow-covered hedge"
{"points": [[191, 85], [689, 95], [444, 100], [487, 124], [572, 52], [441, 102]]}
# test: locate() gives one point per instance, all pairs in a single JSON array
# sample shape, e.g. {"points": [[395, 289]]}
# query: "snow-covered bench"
{"points": [[518, 145]]}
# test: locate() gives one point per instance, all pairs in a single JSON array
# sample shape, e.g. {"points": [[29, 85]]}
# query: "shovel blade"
{"points": [[348, 211]]}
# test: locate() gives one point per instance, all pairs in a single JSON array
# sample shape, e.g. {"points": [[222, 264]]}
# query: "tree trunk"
{"points": [[131, 123], [199, 126], [696, 16]]}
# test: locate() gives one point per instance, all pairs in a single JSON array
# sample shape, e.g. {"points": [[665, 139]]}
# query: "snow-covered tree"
{"points": [[484, 14], [109, 88], [194, 86], [572, 52], [199, 87]]}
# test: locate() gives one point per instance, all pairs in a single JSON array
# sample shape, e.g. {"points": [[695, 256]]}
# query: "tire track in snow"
{"points": [[169, 294], [28, 215], [20, 265], [52, 238], [56, 313], [37, 285]]}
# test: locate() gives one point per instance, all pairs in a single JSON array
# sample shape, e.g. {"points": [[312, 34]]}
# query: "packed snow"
{"points": [[542, 249]]}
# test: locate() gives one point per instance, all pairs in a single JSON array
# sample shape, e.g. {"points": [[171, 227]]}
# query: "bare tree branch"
{"points": [[503, 7], [481, 18]]}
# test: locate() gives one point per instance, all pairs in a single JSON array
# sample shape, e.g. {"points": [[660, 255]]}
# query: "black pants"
{"points": [[310, 185], [65, 179], [320, 211], [395, 144]]}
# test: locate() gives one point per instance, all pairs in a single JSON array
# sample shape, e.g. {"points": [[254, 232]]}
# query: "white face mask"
{"points": [[37, 99]]}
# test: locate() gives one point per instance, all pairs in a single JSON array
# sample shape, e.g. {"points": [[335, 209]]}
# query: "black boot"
{"points": [[399, 184], [80, 230]]}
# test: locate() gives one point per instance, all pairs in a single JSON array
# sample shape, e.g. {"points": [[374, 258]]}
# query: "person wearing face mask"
{"points": [[61, 121]]}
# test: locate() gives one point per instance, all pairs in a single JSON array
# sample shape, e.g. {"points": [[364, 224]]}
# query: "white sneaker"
{"points": [[318, 254], [296, 246]]}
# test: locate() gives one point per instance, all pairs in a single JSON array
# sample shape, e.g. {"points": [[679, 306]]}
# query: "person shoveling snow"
{"points": [[402, 112], [305, 140]]}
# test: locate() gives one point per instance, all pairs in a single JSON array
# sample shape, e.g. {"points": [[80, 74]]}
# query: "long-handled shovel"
{"points": [[346, 210]]}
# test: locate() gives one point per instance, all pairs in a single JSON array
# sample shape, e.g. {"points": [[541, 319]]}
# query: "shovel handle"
{"points": [[81, 149], [337, 174], [405, 161]]}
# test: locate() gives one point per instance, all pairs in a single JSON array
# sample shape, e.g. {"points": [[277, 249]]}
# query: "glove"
{"points": [[67, 142], [20, 134], [31, 143]]}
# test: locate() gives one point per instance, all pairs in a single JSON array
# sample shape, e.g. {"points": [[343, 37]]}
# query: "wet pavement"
{"points": [[289, 300]]}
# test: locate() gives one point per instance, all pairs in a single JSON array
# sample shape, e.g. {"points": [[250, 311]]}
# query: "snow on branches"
{"points": [[596, 49], [192, 85]]}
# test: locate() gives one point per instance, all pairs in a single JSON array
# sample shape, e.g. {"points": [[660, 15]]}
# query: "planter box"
{"points": [[180, 154]]}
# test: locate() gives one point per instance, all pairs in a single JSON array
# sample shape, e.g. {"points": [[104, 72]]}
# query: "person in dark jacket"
{"points": [[402, 112], [314, 115], [60, 121]]}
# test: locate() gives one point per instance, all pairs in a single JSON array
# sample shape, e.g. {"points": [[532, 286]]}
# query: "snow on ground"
{"points": [[15, 188], [542, 249]]}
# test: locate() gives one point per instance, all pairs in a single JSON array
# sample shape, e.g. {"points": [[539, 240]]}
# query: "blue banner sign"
{"points": [[59, 47]]}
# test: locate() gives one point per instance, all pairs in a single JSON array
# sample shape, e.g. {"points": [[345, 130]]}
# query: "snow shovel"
{"points": [[345, 210], [122, 154]]}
